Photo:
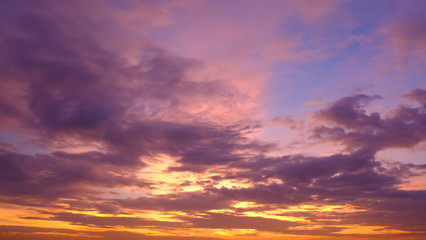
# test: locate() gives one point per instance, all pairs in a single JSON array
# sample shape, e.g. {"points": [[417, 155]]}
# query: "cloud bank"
{"points": [[111, 139]]}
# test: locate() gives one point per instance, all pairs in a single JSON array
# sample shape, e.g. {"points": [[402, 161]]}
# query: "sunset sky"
{"points": [[215, 119]]}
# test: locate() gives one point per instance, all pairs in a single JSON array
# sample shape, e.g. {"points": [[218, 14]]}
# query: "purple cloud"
{"points": [[69, 84]]}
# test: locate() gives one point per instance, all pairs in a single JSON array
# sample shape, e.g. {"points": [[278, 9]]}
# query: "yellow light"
{"points": [[232, 184], [235, 232], [357, 229], [274, 215], [246, 205]]}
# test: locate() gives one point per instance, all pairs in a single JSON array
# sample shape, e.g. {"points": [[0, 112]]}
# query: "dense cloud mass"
{"points": [[116, 139], [352, 126]]}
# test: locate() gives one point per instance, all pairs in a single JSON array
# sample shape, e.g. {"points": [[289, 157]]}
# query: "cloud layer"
{"points": [[107, 133]]}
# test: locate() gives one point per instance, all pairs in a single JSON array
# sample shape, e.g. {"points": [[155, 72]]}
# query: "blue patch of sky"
{"points": [[347, 68], [293, 84], [20, 142]]}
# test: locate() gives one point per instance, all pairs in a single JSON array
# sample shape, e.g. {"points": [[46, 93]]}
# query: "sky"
{"points": [[212, 119]]}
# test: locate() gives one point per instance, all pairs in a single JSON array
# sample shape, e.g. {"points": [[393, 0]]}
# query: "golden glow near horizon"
{"points": [[373, 230], [169, 183], [13, 213]]}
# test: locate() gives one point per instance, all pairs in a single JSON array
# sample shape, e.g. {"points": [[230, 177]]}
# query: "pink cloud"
{"points": [[315, 102], [314, 9], [409, 36]]}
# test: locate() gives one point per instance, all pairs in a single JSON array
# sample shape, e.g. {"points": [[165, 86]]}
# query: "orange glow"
{"points": [[360, 230]]}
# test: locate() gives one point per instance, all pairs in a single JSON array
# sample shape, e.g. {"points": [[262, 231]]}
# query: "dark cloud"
{"points": [[64, 88], [69, 88], [187, 202], [224, 221], [108, 222], [350, 124], [348, 112], [355, 177], [418, 95], [52, 176], [196, 145]]}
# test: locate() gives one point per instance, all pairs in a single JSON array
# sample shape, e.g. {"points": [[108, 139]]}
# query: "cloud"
{"points": [[314, 9], [70, 79], [224, 221], [35, 233], [348, 112], [302, 177], [409, 36], [108, 222], [74, 89], [60, 175], [66, 89], [277, 182], [315, 102], [352, 126], [291, 123], [418, 95]]}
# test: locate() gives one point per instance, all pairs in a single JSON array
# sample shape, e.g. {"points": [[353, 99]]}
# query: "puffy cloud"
{"points": [[351, 125], [348, 112]]}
